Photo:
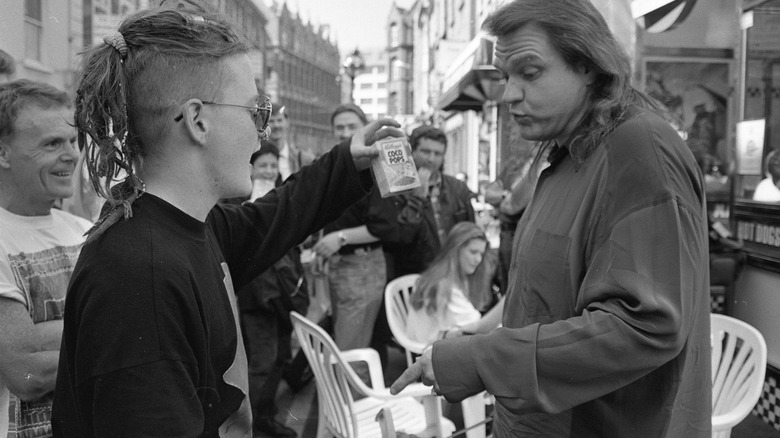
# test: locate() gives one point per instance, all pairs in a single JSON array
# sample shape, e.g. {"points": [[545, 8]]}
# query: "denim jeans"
{"points": [[357, 284]]}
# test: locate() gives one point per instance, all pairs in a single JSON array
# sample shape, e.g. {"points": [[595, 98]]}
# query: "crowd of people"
{"points": [[168, 313]]}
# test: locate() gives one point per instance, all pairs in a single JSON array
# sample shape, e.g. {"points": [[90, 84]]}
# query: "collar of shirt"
{"points": [[435, 181], [579, 155], [284, 150]]}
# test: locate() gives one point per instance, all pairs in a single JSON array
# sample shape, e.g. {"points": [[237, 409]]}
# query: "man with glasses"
{"points": [[151, 345]]}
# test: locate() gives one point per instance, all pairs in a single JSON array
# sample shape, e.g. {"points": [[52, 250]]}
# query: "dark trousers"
{"points": [[267, 343]]}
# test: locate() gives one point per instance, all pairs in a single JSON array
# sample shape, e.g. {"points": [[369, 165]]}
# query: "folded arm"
{"points": [[30, 352]]}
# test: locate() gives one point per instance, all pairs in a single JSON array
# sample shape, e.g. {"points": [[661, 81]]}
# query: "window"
{"points": [[393, 72], [758, 134], [366, 101], [395, 36], [366, 86], [381, 101], [397, 66], [33, 28], [381, 85]]}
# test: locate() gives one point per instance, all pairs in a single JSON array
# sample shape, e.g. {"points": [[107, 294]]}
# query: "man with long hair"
{"points": [[151, 345], [606, 321]]}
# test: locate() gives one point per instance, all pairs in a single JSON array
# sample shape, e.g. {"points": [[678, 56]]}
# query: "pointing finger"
{"points": [[411, 375]]}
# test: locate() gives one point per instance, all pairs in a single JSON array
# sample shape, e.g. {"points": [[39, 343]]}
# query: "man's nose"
{"points": [[513, 93], [71, 152]]}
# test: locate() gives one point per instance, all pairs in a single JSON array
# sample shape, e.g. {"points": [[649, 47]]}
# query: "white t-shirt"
{"points": [[426, 328], [766, 191], [284, 161], [37, 256]]}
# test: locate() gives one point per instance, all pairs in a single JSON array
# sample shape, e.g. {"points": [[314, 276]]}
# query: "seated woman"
{"points": [[440, 303]]}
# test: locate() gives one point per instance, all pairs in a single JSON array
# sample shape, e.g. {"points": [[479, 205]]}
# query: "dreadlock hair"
{"points": [[22, 93], [579, 33], [434, 287], [130, 88]]}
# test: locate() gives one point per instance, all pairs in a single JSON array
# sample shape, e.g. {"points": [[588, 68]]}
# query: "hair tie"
{"points": [[117, 41]]}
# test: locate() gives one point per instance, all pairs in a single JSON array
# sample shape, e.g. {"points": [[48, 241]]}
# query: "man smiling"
{"points": [[38, 248]]}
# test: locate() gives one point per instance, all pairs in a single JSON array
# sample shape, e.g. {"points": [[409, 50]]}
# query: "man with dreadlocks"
{"points": [[150, 341], [606, 323], [39, 246]]}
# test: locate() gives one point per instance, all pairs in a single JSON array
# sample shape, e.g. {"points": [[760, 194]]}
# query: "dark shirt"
{"points": [[150, 340], [407, 226], [606, 322]]}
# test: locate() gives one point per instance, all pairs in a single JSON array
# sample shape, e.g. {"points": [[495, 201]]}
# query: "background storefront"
{"points": [[757, 223]]}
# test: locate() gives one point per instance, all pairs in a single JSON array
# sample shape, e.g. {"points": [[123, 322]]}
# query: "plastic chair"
{"points": [[398, 294], [340, 414], [398, 305], [738, 366]]}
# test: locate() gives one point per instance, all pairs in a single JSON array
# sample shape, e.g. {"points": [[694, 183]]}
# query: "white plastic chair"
{"points": [[738, 367], [398, 305], [398, 295], [342, 416]]}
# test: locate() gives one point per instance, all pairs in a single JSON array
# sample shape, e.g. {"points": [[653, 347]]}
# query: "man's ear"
{"points": [[195, 124], [5, 155]]}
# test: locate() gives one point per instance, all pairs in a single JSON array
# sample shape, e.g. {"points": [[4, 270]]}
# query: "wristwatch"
{"points": [[342, 238]]}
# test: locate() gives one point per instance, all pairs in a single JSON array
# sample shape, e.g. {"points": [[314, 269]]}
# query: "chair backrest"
{"points": [[739, 357], [333, 375], [398, 305]]}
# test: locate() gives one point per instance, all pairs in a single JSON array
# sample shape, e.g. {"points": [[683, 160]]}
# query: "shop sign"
{"points": [[757, 225], [761, 233], [750, 145]]}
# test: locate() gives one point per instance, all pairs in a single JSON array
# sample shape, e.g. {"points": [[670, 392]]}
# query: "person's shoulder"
{"points": [[307, 156], [647, 126], [304, 155], [460, 189], [76, 222], [454, 182], [645, 136], [127, 243]]}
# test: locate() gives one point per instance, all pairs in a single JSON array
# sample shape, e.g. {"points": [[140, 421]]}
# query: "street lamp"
{"points": [[353, 65]]}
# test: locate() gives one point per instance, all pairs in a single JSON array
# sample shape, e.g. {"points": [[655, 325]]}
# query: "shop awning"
{"points": [[473, 80], [657, 16]]}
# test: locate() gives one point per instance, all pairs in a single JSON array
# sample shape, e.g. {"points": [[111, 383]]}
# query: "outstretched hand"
{"points": [[422, 368], [361, 145]]}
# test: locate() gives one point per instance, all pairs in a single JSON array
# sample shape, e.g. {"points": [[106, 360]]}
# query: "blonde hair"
{"points": [[434, 287]]}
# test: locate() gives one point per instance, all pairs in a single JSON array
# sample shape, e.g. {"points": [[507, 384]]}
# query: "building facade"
{"points": [[370, 92], [302, 73], [400, 52], [44, 38]]}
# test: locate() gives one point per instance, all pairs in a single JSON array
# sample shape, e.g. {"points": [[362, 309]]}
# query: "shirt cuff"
{"points": [[461, 381]]}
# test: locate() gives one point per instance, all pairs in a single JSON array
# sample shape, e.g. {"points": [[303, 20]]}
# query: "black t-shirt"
{"points": [[150, 342]]}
